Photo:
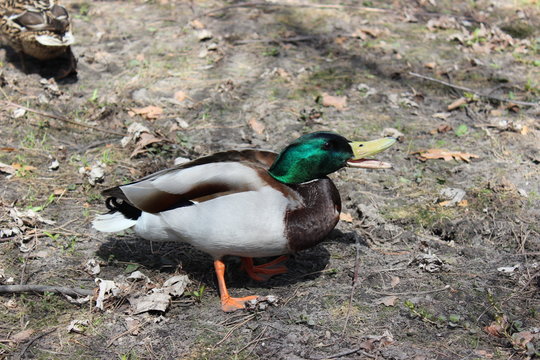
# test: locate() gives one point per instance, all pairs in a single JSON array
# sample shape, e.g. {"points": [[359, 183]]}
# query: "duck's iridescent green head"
{"points": [[315, 155]]}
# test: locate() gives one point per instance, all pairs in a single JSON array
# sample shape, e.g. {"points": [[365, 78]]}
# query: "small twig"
{"points": [[411, 292], [229, 333], [27, 346], [469, 90], [274, 4], [64, 119], [257, 339], [7, 289], [292, 296], [354, 283], [349, 352]]}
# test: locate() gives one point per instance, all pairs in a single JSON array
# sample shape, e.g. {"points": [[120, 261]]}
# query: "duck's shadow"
{"points": [[62, 68], [169, 257]]}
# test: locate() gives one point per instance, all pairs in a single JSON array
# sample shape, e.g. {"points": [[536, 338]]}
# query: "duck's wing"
{"points": [[198, 180]]}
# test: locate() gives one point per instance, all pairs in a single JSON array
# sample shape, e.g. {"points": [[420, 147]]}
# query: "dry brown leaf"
{"points": [[372, 32], [431, 65], [150, 112], [22, 336], [196, 24], [282, 73], [180, 96], [339, 102], [18, 166], [59, 191], [441, 129], [447, 155], [387, 300], [459, 102], [495, 329], [256, 125], [395, 281], [513, 107], [346, 217], [145, 139], [340, 40]]}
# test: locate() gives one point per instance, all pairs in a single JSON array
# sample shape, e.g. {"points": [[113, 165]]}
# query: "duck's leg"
{"points": [[228, 303], [264, 272]]}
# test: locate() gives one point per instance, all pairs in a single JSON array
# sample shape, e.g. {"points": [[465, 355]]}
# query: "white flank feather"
{"points": [[47, 40], [112, 222]]}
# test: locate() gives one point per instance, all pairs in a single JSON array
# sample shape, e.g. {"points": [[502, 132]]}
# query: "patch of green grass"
{"points": [[107, 157], [43, 311], [94, 97], [426, 216], [272, 51], [198, 294], [48, 202], [461, 130], [441, 320], [131, 355], [332, 78]]}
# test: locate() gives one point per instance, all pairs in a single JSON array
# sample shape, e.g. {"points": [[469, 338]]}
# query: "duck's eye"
{"points": [[30, 19], [59, 12], [327, 145]]}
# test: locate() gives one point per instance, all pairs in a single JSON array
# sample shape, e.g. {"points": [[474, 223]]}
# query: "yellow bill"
{"points": [[363, 149]]}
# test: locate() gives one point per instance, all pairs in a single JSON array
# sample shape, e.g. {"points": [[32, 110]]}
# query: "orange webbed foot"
{"points": [[231, 304], [228, 303], [264, 272]]}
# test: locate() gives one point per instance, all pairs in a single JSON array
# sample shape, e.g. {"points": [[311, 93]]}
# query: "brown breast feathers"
{"points": [[307, 226]]}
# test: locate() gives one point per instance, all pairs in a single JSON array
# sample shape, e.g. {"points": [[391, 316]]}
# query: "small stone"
{"points": [[55, 165], [204, 35]]}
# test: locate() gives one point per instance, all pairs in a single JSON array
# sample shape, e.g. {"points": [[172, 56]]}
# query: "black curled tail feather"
{"points": [[128, 210]]}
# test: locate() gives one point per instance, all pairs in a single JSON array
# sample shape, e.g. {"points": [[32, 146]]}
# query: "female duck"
{"points": [[38, 28], [248, 203]]}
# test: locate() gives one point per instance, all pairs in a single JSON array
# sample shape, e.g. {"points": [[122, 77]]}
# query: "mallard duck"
{"points": [[248, 203], [39, 28]]}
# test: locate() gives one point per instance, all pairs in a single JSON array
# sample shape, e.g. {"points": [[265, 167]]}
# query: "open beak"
{"points": [[363, 149]]}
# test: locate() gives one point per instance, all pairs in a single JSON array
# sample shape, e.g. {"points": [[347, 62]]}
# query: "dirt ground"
{"points": [[433, 259]]}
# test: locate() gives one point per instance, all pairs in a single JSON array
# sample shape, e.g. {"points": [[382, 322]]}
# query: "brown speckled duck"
{"points": [[38, 28], [248, 203]]}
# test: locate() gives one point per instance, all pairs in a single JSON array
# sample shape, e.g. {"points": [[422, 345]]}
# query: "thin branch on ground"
{"points": [[255, 341], [264, 4], [37, 337], [229, 333], [64, 119], [472, 91], [446, 287], [8, 289], [349, 352]]}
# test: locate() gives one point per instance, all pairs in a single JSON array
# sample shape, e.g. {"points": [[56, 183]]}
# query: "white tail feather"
{"points": [[112, 222]]}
